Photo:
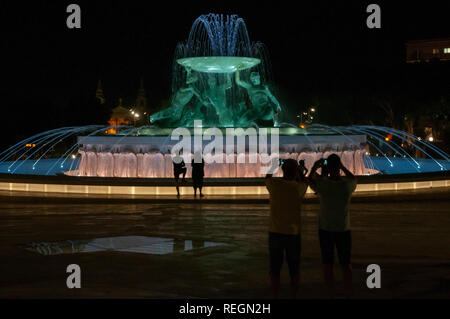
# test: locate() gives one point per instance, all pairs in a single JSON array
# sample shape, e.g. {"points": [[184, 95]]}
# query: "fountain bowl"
{"points": [[218, 64]]}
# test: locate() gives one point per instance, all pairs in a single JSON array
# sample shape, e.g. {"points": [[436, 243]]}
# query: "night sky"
{"points": [[317, 48]]}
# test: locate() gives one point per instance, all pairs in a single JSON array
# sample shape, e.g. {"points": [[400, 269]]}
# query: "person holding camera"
{"points": [[335, 192], [303, 169], [286, 196], [179, 168]]}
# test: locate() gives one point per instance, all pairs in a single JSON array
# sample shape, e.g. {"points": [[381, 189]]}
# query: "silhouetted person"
{"points": [[198, 171], [334, 192], [303, 169], [179, 167], [286, 196]]}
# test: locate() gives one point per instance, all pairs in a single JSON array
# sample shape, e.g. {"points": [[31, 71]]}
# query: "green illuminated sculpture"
{"points": [[211, 94], [176, 114], [215, 96], [264, 105], [203, 84]]}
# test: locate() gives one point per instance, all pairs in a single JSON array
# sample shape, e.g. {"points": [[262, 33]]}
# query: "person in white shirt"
{"points": [[335, 192]]}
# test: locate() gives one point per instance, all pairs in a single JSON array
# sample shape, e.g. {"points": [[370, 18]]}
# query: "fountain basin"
{"points": [[150, 156]]}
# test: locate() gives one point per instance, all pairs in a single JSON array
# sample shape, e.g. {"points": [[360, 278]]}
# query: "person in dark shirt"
{"points": [[179, 167], [198, 171]]}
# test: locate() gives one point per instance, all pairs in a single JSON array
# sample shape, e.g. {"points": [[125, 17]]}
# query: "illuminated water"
{"points": [[400, 166]]}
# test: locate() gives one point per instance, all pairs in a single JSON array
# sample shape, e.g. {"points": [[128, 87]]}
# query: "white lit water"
{"points": [[159, 166]]}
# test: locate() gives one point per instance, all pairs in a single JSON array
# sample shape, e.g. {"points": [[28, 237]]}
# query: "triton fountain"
{"points": [[222, 80]]}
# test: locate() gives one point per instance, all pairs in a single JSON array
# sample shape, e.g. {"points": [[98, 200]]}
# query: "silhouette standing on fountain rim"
{"points": [[198, 171], [302, 167], [179, 167], [286, 196], [335, 193]]}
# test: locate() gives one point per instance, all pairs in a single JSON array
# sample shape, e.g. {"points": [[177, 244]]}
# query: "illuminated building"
{"points": [[428, 50], [119, 116]]}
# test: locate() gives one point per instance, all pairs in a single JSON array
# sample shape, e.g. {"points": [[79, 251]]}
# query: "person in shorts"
{"points": [[286, 196], [198, 171], [179, 167], [335, 192]]}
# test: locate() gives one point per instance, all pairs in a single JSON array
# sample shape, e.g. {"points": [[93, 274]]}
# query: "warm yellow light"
{"points": [[430, 139], [302, 125], [111, 190], [313, 109]]}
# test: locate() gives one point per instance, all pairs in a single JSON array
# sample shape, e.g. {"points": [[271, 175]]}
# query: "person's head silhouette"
{"points": [[289, 168], [333, 165]]}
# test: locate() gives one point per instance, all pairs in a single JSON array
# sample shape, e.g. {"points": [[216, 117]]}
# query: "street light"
{"points": [[136, 115]]}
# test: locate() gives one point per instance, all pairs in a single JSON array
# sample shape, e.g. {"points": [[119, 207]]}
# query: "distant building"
{"points": [[99, 93], [141, 100], [428, 50], [119, 116]]}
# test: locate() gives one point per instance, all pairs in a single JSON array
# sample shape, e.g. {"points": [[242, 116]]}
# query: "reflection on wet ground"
{"points": [[159, 250], [131, 244]]}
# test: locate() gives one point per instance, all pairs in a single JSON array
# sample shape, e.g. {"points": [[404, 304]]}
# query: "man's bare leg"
{"points": [[295, 282], [177, 185], [347, 275], [275, 285], [328, 276]]}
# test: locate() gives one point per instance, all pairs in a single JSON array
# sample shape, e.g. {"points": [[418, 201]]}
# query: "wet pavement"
{"points": [[409, 239]]}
